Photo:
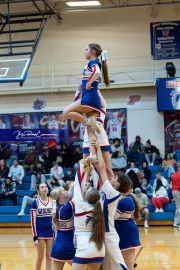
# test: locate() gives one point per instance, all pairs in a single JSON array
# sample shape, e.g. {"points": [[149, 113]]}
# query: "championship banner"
{"points": [[37, 128], [165, 40], [171, 129]]}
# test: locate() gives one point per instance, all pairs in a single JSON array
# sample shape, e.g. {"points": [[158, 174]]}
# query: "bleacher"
{"points": [[9, 217]]}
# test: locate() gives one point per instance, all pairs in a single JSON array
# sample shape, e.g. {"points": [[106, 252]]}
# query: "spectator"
{"points": [[77, 157], [176, 195], [176, 150], [118, 163], [170, 189], [169, 164], [136, 150], [13, 148], [140, 176], [66, 155], [8, 190], [147, 188], [52, 154], [164, 181], [30, 160], [56, 175], [16, 172], [28, 200], [132, 167], [151, 153], [4, 170], [117, 147], [38, 175], [147, 172], [69, 176], [160, 197], [2, 154], [143, 202]]}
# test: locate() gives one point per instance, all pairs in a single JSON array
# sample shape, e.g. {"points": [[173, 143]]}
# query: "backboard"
{"points": [[13, 70]]}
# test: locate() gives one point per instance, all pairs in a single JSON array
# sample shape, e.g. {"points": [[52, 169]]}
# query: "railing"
{"points": [[68, 74]]}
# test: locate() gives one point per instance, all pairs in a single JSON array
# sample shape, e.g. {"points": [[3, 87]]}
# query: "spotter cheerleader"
{"points": [[63, 221], [89, 224], [41, 223], [90, 103]]}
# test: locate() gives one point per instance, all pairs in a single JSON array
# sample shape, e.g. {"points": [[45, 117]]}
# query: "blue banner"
{"points": [[168, 94], [165, 40]]}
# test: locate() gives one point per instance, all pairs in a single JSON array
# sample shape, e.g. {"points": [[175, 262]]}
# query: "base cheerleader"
{"points": [[63, 221], [41, 223]]}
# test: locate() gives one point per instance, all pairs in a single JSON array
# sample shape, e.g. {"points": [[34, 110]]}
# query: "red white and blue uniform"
{"points": [[41, 219], [115, 127], [113, 258], [125, 226], [102, 137], [90, 75], [86, 251], [63, 248]]}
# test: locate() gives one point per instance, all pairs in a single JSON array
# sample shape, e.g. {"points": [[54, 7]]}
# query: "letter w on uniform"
{"points": [[133, 99], [88, 219]]}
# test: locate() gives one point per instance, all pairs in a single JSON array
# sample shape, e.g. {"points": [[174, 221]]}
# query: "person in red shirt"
{"points": [[176, 150], [52, 154], [176, 196]]}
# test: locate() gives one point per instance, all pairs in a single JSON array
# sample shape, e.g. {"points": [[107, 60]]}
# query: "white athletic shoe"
{"points": [[146, 225], [20, 182], [92, 122], [161, 210], [156, 210], [176, 225], [21, 213], [152, 164]]}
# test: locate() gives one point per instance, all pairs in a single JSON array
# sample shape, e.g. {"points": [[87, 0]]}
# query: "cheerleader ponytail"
{"points": [[55, 196], [137, 215], [99, 51], [98, 230]]}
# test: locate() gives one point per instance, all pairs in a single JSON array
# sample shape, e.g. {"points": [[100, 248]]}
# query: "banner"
{"points": [[165, 40], [168, 94], [172, 129], [36, 129]]}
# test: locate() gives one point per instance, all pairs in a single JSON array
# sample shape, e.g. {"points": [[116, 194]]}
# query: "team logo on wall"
{"points": [[38, 104], [175, 99]]}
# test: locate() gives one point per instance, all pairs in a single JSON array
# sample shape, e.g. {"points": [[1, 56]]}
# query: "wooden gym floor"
{"points": [[161, 249]]}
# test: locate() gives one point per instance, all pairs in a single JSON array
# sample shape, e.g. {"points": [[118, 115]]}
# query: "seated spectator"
{"points": [[56, 175], [143, 202], [117, 147], [140, 176], [77, 157], [169, 164], [147, 188], [118, 163], [13, 148], [151, 153], [176, 195], [160, 197], [4, 170], [38, 175], [69, 176], [66, 155], [147, 172], [136, 150], [176, 150], [164, 181], [52, 154], [132, 167], [28, 200], [16, 172], [30, 160], [8, 190]]}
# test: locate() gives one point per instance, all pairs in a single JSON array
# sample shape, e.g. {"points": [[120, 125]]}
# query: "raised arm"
{"points": [[43, 121]]}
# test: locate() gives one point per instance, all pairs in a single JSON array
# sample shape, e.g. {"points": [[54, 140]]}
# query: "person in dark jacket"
{"points": [[69, 176], [136, 150], [66, 155], [30, 160], [147, 172], [151, 153], [13, 148], [8, 190], [38, 175], [4, 171], [52, 153], [77, 157]]}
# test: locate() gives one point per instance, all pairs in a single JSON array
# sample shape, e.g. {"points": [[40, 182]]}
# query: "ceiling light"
{"points": [[83, 3]]}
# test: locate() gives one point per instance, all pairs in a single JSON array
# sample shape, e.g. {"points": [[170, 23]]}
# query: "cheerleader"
{"points": [[41, 223], [63, 221], [127, 213], [110, 196], [90, 102], [89, 224]]}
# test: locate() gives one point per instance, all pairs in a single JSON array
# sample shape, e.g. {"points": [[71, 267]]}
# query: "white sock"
{"points": [[146, 222]]}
